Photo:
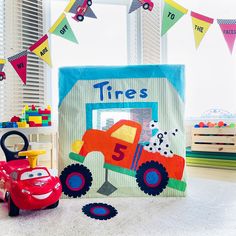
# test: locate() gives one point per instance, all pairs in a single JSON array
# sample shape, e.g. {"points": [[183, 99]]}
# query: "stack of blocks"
{"points": [[37, 117], [31, 117]]}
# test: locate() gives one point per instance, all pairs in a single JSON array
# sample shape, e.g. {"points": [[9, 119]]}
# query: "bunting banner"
{"points": [[228, 28], [201, 24], [41, 49], [172, 13], [2, 64], [63, 29], [19, 63]]}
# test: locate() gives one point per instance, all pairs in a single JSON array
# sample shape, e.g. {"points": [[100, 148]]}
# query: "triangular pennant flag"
{"points": [[172, 13], [89, 13], [73, 6], [63, 29], [201, 25], [228, 28], [136, 4], [19, 63], [41, 49], [2, 64]]}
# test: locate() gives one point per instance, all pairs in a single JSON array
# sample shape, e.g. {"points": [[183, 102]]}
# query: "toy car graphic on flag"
{"points": [[2, 73], [81, 9], [146, 4]]}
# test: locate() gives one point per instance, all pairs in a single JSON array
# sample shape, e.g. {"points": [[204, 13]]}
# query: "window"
{"points": [[22, 24], [125, 133], [115, 38], [210, 70]]}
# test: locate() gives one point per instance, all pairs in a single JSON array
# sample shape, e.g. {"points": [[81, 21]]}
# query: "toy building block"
{"points": [[22, 124]]}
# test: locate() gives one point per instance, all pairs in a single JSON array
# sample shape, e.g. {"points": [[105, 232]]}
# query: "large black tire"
{"points": [[145, 6], [53, 205], [152, 178], [76, 180], [13, 210]]}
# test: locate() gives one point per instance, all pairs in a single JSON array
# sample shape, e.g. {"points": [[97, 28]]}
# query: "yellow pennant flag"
{"points": [[201, 24], [41, 49]]}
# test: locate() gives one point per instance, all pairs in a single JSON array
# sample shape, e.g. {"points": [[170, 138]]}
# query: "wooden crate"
{"points": [[214, 139]]}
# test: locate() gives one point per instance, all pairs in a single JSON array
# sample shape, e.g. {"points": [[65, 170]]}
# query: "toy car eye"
{"points": [[39, 174], [31, 175]]}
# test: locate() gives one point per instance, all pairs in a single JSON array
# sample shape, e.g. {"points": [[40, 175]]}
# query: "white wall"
{"points": [[210, 70]]}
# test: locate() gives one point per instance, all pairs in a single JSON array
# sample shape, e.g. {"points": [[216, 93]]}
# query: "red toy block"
{"points": [[45, 112], [15, 119], [44, 118]]}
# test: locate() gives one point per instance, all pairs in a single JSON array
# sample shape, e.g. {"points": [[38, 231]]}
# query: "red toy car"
{"points": [[25, 186], [82, 10], [147, 4], [2, 75]]}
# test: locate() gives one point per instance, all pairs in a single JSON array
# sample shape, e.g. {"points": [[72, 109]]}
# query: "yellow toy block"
{"points": [[22, 124], [36, 119]]}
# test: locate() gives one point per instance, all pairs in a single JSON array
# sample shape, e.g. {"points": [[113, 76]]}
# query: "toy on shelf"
{"points": [[31, 117], [2, 73], [24, 185], [219, 124]]}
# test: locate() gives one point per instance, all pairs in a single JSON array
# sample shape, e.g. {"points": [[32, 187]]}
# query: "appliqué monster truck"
{"points": [[122, 153]]}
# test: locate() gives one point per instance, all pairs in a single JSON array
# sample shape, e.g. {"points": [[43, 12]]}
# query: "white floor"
{"points": [[209, 209]]}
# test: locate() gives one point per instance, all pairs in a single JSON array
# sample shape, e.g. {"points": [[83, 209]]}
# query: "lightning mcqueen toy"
{"points": [[22, 184]]}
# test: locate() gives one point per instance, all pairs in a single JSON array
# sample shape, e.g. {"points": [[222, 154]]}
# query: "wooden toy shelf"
{"points": [[214, 139]]}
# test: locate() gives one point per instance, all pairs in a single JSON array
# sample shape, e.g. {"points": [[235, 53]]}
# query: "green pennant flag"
{"points": [[171, 14], [62, 29]]}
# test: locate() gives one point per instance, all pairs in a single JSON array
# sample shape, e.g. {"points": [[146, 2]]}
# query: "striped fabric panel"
{"points": [[72, 125], [21, 54], [226, 22]]}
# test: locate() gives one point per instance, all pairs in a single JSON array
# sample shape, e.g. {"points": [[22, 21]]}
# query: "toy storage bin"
{"points": [[214, 139], [46, 159]]}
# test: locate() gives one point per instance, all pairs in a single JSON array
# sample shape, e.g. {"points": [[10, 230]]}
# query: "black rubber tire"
{"points": [[145, 6], [1, 201], [54, 205], [89, 3], [82, 170], [80, 18], [154, 191], [13, 210]]}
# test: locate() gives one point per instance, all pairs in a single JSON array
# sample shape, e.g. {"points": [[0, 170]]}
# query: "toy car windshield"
{"points": [[32, 174]]}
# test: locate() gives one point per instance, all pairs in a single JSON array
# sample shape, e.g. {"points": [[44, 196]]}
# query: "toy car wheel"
{"points": [[53, 205], [1, 78], [89, 3], [76, 180], [152, 178], [80, 18], [145, 6], [13, 210]]}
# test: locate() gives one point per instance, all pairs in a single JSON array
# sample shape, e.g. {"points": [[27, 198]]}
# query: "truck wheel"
{"points": [[145, 6], [76, 180], [89, 3], [80, 18], [152, 178], [13, 210]]}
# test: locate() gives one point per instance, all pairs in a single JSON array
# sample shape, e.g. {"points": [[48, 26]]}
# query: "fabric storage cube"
{"points": [[121, 131]]}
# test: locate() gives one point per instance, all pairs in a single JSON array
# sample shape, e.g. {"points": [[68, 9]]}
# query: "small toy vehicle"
{"points": [[82, 10], [22, 184], [2, 76], [147, 4]]}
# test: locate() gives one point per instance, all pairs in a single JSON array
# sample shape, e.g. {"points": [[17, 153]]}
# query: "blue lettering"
{"points": [[130, 93], [100, 86], [118, 93], [143, 93]]}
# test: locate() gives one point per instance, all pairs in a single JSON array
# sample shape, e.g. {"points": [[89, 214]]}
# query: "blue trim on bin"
{"points": [[68, 76], [99, 106]]}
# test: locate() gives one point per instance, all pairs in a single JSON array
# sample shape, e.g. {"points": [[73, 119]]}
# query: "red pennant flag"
{"points": [[19, 63]]}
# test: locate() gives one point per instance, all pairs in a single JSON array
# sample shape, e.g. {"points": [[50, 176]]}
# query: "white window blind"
{"points": [[23, 24]]}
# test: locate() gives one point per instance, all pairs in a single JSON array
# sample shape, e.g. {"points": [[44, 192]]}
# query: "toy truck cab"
{"points": [[122, 153]]}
